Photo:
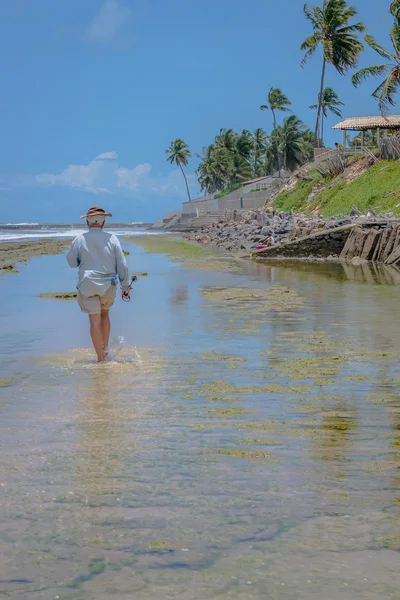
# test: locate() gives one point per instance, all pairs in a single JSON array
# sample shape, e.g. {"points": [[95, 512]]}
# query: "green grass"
{"points": [[296, 198], [378, 188]]}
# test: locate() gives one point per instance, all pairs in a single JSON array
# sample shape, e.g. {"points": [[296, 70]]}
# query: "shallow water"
{"points": [[242, 443]]}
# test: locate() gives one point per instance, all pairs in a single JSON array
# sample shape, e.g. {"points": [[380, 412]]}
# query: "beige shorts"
{"points": [[94, 305]]}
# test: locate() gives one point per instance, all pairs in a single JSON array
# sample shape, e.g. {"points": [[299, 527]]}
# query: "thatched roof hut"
{"points": [[369, 123]]}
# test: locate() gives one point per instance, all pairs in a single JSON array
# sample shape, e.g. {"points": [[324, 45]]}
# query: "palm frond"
{"points": [[312, 15], [395, 9], [309, 46], [372, 43], [336, 111], [385, 93], [364, 74], [395, 37]]}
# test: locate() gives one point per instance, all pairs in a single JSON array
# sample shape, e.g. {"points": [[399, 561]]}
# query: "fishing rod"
{"points": [[128, 299]]}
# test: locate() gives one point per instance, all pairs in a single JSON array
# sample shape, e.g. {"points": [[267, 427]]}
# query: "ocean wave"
{"points": [[19, 224], [8, 236]]}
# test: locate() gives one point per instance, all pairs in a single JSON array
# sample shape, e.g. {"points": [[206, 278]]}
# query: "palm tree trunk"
{"points": [[255, 163], [187, 187], [277, 144], [322, 128], [316, 140]]}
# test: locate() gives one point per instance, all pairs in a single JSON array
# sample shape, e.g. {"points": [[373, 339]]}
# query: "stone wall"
{"points": [[321, 244], [234, 201]]}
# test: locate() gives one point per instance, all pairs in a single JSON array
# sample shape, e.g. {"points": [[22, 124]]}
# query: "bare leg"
{"points": [[96, 335], [105, 329]]}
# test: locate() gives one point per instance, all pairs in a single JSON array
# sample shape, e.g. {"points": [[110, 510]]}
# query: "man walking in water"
{"points": [[100, 259]]}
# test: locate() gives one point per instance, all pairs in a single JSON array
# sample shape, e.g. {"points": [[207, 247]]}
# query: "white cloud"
{"points": [[95, 177], [107, 156], [109, 24], [132, 179], [104, 175]]}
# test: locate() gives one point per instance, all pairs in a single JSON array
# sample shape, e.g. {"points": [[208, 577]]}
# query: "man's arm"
{"points": [[73, 255], [121, 265]]}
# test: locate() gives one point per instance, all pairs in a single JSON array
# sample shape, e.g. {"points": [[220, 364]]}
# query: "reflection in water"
{"points": [[370, 273], [179, 294], [267, 437], [102, 442]]}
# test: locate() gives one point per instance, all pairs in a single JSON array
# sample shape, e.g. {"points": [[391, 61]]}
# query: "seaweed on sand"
{"points": [[59, 295]]}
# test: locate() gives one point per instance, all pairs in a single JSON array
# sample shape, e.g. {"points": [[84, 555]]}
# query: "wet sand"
{"points": [[13, 254]]}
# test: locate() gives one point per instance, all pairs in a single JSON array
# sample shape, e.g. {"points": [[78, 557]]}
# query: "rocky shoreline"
{"points": [[266, 231]]}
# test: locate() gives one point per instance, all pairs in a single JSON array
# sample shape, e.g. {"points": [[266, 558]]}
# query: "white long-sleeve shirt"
{"points": [[99, 256]]}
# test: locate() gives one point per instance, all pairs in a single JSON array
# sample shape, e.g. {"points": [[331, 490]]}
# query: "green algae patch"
{"points": [[224, 358], [59, 295], [230, 412], [205, 426], [391, 543], [228, 399], [96, 566], [6, 381], [264, 441], [253, 300], [238, 453], [171, 247], [312, 367], [338, 423], [274, 428], [162, 545], [218, 388], [191, 255]]}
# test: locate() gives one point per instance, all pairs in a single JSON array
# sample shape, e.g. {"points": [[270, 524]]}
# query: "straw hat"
{"points": [[96, 211]]}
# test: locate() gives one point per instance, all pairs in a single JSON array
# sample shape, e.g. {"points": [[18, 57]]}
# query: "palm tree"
{"points": [[259, 142], [179, 154], [292, 139], [243, 145], [277, 101], [241, 170], [206, 172], [222, 166], [329, 102], [386, 90], [226, 139], [341, 46]]}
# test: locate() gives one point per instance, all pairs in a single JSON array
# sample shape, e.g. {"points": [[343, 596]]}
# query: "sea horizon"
{"points": [[29, 231]]}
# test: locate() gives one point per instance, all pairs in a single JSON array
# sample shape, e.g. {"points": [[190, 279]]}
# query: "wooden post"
{"points": [[379, 139], [362, 140], [344, 139]]}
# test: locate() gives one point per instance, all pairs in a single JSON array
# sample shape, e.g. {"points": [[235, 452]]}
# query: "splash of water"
{"points": [[120, 351]]}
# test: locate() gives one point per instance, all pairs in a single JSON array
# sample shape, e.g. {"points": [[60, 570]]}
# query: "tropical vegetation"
{"points": [[276, 101], [234, 157], [386, 91], [338, 38]]}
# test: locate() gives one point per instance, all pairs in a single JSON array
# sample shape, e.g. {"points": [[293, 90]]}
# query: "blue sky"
{"points": [[93, 92]]}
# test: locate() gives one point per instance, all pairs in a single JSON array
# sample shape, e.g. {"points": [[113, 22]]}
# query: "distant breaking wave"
{"points": [[19, 224], [8, 235]]}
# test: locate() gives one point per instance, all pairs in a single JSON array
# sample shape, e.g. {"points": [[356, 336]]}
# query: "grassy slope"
{"points": [[378, 188]]}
